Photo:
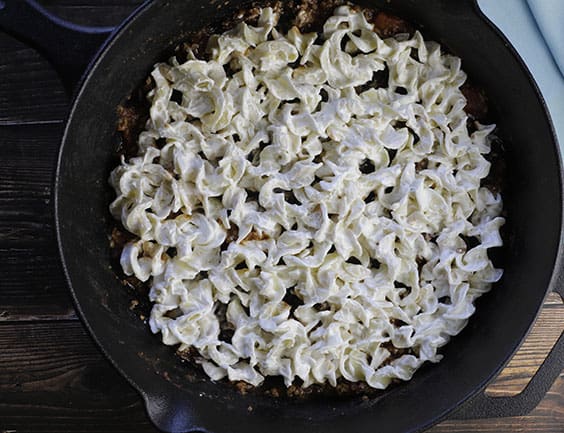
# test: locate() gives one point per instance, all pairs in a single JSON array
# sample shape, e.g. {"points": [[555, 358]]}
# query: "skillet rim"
{"points": [[557, 265]]}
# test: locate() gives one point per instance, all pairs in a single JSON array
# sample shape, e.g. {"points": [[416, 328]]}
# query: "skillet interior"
{"points": [[532, 200]]}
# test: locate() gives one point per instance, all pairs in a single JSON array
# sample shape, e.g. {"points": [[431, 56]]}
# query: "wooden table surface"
{"points": [[52, 376]]}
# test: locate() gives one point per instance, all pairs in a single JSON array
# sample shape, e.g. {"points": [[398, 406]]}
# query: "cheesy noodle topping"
{"points": [[302, 204]]}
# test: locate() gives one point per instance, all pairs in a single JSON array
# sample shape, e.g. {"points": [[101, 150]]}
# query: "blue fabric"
{"points": [[549, 15], [515, 19]]}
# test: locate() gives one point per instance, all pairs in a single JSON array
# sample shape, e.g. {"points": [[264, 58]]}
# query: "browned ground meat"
{"points": [[476, 101], [307, 15], [132, 117], [387, 25]]}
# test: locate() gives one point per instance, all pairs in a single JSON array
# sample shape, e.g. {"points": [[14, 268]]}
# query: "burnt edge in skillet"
{"points": [[133, 114]]}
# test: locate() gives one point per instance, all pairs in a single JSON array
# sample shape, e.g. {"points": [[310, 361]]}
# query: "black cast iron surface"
{"points": [[503, 316]]}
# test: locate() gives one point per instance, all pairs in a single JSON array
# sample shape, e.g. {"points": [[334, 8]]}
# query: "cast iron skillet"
{"points": [[180, 402]]}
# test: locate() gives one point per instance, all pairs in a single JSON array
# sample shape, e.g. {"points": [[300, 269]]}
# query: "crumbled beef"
{"points": [[476, 102], [388, 25]]}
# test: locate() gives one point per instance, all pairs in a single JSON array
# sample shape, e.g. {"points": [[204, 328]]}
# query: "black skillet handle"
{"points": [[484, 406], [170, 413], [69, 47]]}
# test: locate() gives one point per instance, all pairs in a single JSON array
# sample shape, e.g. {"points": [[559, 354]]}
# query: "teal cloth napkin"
{"points": [[549, 15]]}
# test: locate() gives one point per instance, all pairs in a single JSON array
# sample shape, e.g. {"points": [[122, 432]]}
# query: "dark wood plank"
{"points": [[31, 362], [53, 379], [33, 286], [28, 156], [52, 418], [30, 91]]}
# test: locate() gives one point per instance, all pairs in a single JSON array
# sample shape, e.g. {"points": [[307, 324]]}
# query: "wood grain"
{"points": [[548, 417], [52, 376], [30, 90], [47, 387], [526, 361], [32, 284], [33, 287], [27, 160]]}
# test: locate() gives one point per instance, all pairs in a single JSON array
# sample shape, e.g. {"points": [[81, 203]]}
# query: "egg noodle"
{"points": [[282, 194]]}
